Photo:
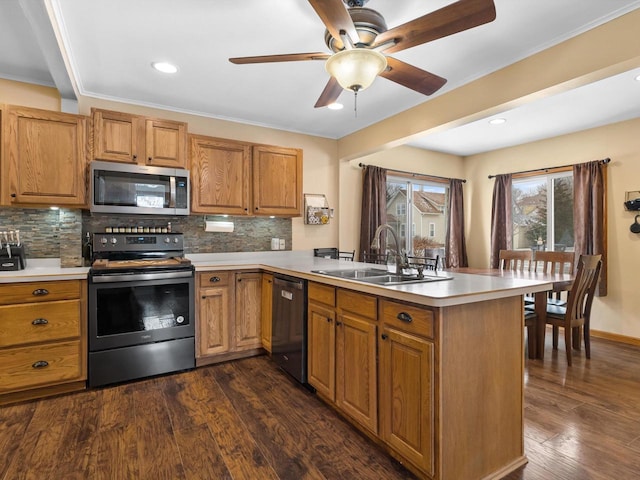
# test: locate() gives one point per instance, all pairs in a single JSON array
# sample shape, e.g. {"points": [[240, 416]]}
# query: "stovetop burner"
{"points": [[116, 252]]}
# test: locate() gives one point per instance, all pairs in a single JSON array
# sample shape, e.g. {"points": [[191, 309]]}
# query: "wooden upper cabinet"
{"points": [[277, 181], [220, 171], [238, 178], [127, 138], [44, 157]]}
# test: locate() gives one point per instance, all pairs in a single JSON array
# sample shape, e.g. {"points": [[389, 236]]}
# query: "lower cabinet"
{"points": [[43, 346], [407, 378], [229, 315], [342, 351]]}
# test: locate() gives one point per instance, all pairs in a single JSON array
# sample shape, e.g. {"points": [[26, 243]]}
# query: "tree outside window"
{"points": [[543, 212]]}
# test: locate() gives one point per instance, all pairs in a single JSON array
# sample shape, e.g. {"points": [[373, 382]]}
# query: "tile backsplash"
{"points": [[50, 233]]}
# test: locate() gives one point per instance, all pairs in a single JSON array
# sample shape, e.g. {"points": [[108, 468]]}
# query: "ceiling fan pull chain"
{"points": [[355, 103]]}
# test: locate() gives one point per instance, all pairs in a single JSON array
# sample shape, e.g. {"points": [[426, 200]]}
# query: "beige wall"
{"points": [[618, 311], [27, 95]]}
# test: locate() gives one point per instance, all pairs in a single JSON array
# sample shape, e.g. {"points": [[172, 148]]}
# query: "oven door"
{"points": [[138, 308]]}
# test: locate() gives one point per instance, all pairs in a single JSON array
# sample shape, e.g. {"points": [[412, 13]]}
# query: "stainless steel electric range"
{"points": [[141, 307]]}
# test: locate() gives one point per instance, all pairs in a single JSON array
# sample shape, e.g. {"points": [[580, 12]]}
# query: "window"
{"points": [[424, 209], [543, 212]]}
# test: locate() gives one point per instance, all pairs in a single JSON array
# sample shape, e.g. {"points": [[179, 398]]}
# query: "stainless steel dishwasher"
{"points": [[289, 327]]}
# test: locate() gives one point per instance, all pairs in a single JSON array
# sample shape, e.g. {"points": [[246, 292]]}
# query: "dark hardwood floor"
{"points": [[247, 420]]}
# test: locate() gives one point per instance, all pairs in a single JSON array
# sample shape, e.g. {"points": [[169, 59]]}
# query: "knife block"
{"points": [[17, 261]]}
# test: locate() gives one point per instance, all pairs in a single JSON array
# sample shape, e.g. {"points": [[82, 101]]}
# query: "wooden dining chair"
{"points": [[515, 260], [554, 262], [575, 315]]}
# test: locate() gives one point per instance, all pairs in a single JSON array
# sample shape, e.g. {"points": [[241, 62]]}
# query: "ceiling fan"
{"points": [[360, 42]]}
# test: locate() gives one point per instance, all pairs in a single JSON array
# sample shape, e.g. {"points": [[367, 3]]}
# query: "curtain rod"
{"points": [[603, 161], [362, 165]]}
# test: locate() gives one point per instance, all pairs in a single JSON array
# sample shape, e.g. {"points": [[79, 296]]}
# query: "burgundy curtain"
{"points": [[374, 205], [501, 218], [589, 214], [456, 254]]}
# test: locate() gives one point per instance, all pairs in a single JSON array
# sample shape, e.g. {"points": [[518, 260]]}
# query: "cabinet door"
{"points": [[267, 305], [277, 181], [213, 321], [220, 172], [407, 396], [46, 157], [166, 143], [117, 136], [322, 350], [248, 299], [356, 384]]}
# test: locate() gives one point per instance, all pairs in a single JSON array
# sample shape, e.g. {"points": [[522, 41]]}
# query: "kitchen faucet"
{"points": [[401, 260]]}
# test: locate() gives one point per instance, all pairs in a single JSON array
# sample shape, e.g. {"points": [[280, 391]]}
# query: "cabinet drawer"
{"points": [[359, 303], [214, 279], [39, 292], [408, 318], [39, 322], [27, 367], [322, 293]]}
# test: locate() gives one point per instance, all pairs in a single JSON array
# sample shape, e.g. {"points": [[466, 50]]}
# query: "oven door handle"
{"points": [[134, 277]]}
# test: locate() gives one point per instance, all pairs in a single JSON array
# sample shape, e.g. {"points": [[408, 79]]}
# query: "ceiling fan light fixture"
{"points": [[356, 69], [335, 106]]}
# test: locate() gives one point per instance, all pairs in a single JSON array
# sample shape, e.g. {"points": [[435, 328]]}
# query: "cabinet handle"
{"points": [[13, 195], [214, 279], [40, 321], [150, 158], [405, 317], [329, 320], [38, 292], [338, 324], [239, 280], [257, 208], [135, 157], [384, 336], [40, 364]]}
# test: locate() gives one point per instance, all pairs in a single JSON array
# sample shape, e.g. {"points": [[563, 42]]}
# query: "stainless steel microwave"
{"points": [[138, 189]]}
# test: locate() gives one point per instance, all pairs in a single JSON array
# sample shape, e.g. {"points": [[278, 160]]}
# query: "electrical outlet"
{"points": [[282, 244]]}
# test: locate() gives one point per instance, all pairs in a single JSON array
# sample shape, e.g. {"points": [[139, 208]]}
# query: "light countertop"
{"points": [[463, 288]]}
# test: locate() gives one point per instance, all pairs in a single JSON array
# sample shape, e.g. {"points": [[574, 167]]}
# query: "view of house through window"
{"points": [[543, 212], [423, 209]]}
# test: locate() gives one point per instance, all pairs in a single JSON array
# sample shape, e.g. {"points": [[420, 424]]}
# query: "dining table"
{"points": [[560, 282]]}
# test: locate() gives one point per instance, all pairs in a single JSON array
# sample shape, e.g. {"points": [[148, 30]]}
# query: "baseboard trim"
{"points": [[615, 337]]}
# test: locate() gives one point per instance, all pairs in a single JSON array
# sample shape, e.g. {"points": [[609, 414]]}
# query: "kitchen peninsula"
{"points": [[431, 371]]}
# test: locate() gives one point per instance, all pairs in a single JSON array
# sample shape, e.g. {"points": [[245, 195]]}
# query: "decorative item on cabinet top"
{"points": [[316, 208], [632, 200]]}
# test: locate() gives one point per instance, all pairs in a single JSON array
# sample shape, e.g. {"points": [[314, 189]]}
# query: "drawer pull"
{"points": [[38, 292], [40, 364], [384, 336], [405, 317], [40, 321], [214, 279]]}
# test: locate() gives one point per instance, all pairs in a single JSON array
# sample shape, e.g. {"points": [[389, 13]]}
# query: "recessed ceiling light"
{"points": [[164, 67], [497, 121], [638, 78], [335, 106]]}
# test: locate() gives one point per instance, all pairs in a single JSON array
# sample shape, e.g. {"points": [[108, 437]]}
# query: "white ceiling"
{"points": [[110, 45]]}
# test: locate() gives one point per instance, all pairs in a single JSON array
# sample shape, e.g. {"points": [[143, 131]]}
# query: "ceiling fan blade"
{"points": [[330, 93], [288, 57], [335, 16], [412, 77], [454, 18]]}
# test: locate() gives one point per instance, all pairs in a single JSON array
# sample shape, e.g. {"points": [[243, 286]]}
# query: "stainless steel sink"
{"points": [[378, 276], [357, 273]]}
